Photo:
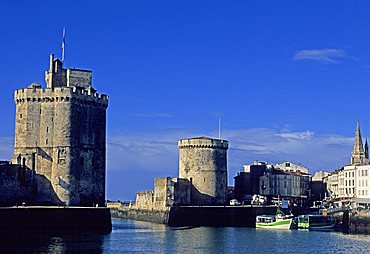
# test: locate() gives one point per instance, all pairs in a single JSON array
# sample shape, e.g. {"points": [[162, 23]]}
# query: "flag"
{"points": [[63, 43]]}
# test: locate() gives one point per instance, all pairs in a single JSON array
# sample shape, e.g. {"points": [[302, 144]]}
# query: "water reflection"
{"points": [[44, 243], [144, 237]]}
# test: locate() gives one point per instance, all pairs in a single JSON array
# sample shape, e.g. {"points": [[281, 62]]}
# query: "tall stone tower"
{"points": [[61, 135], [358, 153], [203, 161]]}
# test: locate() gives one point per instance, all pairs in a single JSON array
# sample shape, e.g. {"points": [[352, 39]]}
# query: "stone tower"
{"points": [[60, 134], [203, 161], [358, 153]]}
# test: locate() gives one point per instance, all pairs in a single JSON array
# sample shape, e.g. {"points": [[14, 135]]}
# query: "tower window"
{"points": [[46, 141], [47, 129], [20, 116], [204, 180], [40, 111]]}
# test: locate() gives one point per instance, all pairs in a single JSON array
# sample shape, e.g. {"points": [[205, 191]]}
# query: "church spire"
{"points": [[358, 154]]}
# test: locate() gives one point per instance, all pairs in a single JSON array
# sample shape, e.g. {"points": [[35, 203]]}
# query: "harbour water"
{"points": [[144, 237]]}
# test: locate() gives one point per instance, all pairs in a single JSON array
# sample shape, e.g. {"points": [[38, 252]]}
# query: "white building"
{"points": [[352, 182], [291, 167], [333, 184], [285, 184]]}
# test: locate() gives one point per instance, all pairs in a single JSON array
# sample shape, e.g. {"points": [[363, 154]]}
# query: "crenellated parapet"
{"points": [[203, 142], [38, 94]]}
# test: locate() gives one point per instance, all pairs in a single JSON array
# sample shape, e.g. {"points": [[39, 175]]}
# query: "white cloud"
{"points": [[318, 152], [307, 135], [152, 114], [321, 55], [159, 152], [140, 156]]}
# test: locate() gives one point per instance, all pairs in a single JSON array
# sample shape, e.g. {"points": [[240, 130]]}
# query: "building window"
{"points": [[204, 180], [353, 182], [20, 116], [46, 141], [40, 111], [47, 129], [52, 119]]}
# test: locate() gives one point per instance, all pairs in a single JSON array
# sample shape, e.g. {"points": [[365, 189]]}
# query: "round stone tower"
{"points": [[203, 161]]}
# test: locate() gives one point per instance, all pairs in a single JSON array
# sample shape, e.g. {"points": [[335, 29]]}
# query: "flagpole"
{"points": [[219, 127]]}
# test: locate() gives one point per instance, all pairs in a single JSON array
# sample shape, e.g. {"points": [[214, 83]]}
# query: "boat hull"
{"points": [[283, 224], [317, 227], [316, 222]]}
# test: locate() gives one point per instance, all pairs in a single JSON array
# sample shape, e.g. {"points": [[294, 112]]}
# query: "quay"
{"points": [[54, 219], [215, 216]]}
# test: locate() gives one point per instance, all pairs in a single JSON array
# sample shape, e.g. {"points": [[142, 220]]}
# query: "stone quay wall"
{"points": [[181, 216], [132, 213]]}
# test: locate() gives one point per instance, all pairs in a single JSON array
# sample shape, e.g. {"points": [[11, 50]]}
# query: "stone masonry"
{"points": [[203, 161], [61, 135]]}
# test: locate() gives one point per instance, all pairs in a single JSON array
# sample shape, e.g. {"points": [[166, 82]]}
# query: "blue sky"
{"points": [[288, 78]]}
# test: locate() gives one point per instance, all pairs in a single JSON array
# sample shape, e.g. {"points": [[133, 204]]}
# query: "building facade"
{"points": [[285, 184], [247, 182], [291, 167], [351, 183], [61, 135], [319, 186]]}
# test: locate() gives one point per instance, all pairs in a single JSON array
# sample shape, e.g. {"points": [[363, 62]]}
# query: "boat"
{"points": [[316, 222], [278, 221]]}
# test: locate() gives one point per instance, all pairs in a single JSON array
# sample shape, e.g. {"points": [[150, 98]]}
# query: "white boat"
{"points": [[278, 221]]}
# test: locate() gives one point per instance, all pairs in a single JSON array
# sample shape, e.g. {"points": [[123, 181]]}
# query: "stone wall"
{"points": [[145, 199], [167, 192], [16, 185], [157, 216], [79, 78], [170, 192], [182, 216], [203, 161]]}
